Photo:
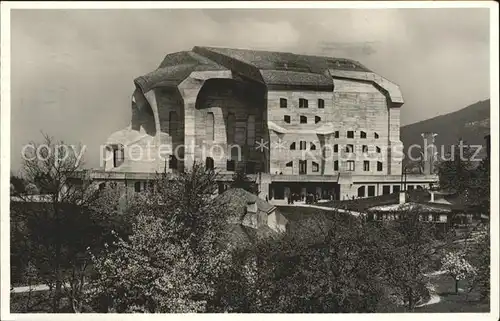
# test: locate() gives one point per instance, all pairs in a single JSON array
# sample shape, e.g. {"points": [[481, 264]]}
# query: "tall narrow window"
{"points": [[350, 165], [396, 188], [137, 187], [209, 163], [313, 147], [172, 163], [365, 148], [321, 103], [386, 189], [230, 165], [283, 103], [210, 127], [350, 134], [376, 136], [336, 165], [371, 191], [336, 148], [302, 167], [303, 145], [379, 166], [251, 130], [349, 148], [118, 155], [337, 134], [303, 119], [362, 134], [172, 123], [315, 167], [286, 118], [292, 146], [231, 127], [303, 103], [366, 166], [378, 149], [317, 119], [361, 191]]}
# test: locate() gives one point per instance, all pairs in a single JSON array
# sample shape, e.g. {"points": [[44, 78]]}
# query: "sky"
{"points": [[72, 71]]}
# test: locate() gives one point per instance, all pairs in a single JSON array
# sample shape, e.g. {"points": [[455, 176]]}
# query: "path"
{"points": [[331, 209]]}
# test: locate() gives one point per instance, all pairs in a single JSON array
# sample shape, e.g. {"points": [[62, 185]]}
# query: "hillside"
{"points": [[471, 123]]}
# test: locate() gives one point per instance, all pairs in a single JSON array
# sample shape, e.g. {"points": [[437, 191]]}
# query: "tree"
{"points": [[409, 255], [174, 254], [52, 230], [326, 264], [241, 180], [455, 264]]}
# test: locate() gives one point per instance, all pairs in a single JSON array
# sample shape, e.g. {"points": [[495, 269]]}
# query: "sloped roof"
{"points": [[272, 68], [237, 199]]}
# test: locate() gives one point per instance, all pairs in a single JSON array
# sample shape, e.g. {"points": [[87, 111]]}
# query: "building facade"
{"points": [[300, 124]]}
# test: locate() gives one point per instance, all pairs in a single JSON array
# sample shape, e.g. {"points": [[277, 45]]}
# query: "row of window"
{"points": [[386, 189], [349, 148], [303, 103], [303, 119], [350, 166]]}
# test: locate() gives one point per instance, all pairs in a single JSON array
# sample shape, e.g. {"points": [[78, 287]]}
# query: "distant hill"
{"points": [[471, 124]]}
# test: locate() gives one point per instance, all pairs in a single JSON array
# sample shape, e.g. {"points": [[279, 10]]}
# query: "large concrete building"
{"points": [[300, 123]]}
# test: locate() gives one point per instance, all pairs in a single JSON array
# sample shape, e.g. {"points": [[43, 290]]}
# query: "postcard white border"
{"points": [[6, 6]]}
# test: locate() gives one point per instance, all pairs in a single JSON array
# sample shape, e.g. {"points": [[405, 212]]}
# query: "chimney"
{"points": [[429, 152]]}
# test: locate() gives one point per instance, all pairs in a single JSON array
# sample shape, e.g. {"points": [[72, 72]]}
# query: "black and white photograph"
{"points": [[249, 158]]}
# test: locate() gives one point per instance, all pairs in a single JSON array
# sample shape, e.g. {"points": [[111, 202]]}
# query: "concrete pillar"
{"points": [[402, 197], [432, 196], [264, 186]]}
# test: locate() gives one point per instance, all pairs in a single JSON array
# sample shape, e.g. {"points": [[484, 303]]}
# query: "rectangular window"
{"points": [[302, 167], [396, 188], [303, 119], [283, 103], [376, 136], [289, 164], [336, 165], [386, 189], [317, 119], [349, 148], [286, 118], [350, 134], [251, 130], [361, 191], [350, 165], [371, 191], [378, 149], [379, 166], [335, 148], [118, 155], [292, 146], [303, 103], [172, 162], [315, 167], [303, 145], [362, 135], [366, 166], [365, 148], [230, 165], [321, 103], [210, 127], [435, 217], [337, 134], [137, 187]]}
